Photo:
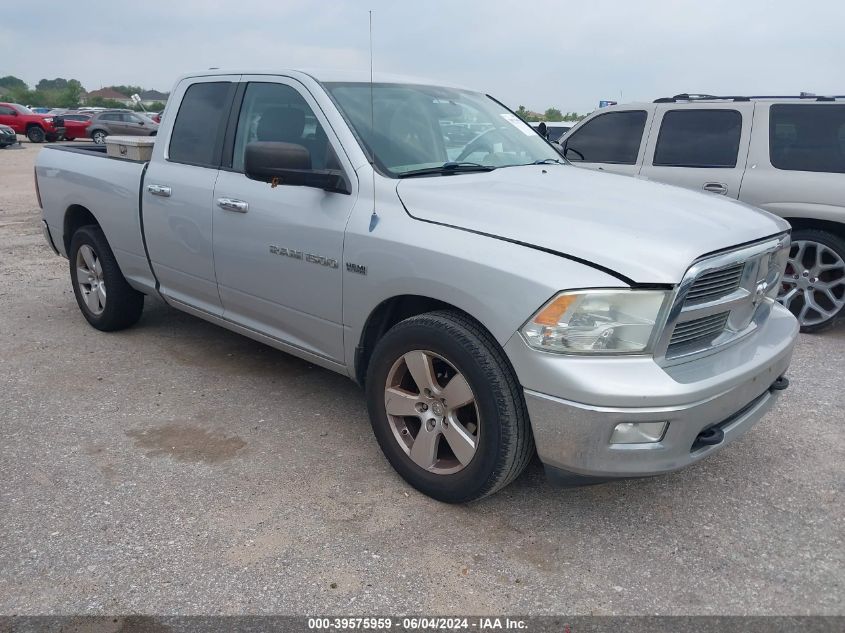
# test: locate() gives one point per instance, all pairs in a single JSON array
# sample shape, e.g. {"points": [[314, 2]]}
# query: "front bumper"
{"points": [[573, 421]]}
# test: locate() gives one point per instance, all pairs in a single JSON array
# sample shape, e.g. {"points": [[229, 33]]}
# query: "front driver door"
{"points": [[278, 250], [610, 141]]}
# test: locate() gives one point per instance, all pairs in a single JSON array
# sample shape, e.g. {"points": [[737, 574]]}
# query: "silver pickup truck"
{"points": [[427, 243]]}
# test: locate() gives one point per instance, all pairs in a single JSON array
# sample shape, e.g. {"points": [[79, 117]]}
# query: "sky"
{"points": [[539, 54]]}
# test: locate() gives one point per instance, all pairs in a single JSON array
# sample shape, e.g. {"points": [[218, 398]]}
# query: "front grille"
{"points": [[720, 298], [717, 283], [698, 332]]}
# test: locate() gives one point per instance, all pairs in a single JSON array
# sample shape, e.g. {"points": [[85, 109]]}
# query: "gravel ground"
{"points": [[179, 468]]}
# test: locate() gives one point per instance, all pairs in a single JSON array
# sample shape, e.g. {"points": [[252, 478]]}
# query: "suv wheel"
{"points": [[104, 296], [36, 134], [99, 136], [814, 282], [446, 407]]}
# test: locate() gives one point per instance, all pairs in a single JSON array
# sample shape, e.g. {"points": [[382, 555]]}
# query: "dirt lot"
{"points": [[180, 468]]}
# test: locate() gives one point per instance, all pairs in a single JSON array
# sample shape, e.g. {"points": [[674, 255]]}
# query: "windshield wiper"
{"points": [[448, 168], [548, 161]]}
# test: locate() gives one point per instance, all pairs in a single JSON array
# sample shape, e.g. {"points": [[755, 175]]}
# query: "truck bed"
{"points": [[82, 175]]}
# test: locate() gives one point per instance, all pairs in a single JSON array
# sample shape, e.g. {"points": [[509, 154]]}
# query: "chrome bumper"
{"points": [[730, 390]]}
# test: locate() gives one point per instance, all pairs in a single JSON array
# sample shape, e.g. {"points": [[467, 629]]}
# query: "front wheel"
{"points": [[813, 287], [106, 299], [446, 407], [36, 134], [99, 136]]}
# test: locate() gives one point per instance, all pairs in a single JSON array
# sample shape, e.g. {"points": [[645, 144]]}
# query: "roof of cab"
{"points": [[323, 75]]}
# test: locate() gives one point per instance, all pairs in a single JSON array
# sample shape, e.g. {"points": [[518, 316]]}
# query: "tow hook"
{"points": [[780, 384], [710, 437]]}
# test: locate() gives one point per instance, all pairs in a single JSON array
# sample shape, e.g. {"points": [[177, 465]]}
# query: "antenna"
{"points": [[374, 216]]}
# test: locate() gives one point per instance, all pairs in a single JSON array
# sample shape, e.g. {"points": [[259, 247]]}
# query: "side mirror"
{"points": [[290, 164]]}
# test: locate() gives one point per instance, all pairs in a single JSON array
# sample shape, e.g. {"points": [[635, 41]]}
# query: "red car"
{"points": [[76, 125], [37, 127]]}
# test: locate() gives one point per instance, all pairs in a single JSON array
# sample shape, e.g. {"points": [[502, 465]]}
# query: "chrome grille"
{"points": [[721, 298], [699, 331], [715, 284]]}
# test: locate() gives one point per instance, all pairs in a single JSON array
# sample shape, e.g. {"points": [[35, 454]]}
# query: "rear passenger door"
{"points": [[702, 147], [178, 192], [611, 141]]}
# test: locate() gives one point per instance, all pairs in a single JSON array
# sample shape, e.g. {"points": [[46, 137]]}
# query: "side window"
{"points": [[613, 137], [200, 124], [698, 138], [5, 110], [807, 137], [277, 112]]}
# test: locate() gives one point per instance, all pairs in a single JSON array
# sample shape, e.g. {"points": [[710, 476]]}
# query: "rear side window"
{"points": [[699, 138], [609, 138], [807, 137], [200, 124]]}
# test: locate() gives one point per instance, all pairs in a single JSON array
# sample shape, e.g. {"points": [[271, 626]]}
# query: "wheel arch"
{"points": [[387, 314], [33, 124], [798, 224], [76, 216]]}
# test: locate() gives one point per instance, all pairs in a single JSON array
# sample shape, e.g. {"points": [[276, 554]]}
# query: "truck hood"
{"points": [[644, 231]]}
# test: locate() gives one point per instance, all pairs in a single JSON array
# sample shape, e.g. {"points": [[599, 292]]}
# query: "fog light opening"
{"points": [[638, 432]]}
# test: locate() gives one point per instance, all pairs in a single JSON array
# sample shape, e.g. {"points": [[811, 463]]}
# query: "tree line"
{"points": [[61, 93], [550, 115]]}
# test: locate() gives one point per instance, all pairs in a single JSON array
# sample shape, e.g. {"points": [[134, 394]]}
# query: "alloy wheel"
{"points": [[432, 412], [813, 287], [89, 278]]}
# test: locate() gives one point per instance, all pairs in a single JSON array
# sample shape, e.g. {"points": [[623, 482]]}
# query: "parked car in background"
{"points": [[120, 122], [39, 109], [554, 130], [76, 125], [782, 154], [7, 136], [36, 127], [492, 298]]}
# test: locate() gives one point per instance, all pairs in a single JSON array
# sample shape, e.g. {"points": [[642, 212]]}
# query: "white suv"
{"points": [[783, 154]]}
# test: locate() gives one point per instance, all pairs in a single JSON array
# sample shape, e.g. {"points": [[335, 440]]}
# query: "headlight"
{"points": [[776, 268], [597, 322], [48, 120]]}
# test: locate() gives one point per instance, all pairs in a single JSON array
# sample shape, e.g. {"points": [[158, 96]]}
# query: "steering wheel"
{"points": [[476, 144], [568, 149]]}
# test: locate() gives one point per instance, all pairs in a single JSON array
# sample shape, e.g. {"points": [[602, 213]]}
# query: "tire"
{"points": [[99, 136], [814, 281], [105, 298], [496, 421], [36, 134]]}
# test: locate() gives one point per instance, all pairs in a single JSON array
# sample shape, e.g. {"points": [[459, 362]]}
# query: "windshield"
{"points": [[22, 109], [420, 127]]}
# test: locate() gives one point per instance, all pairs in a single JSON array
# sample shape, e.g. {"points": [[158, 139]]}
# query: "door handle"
{"points": [[159, 190], [716, 187], [230, 204]]}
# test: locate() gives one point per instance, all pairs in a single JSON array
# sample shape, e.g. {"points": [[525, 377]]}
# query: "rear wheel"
{"points": [[446, 407], [36, 134], [104, 296], [814, 281], [99, 136]]}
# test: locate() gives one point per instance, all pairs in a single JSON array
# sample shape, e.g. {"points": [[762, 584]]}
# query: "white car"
{"points": [[783, 154]]}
